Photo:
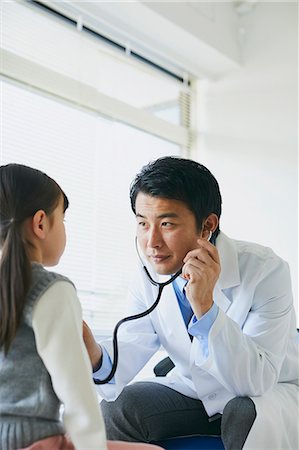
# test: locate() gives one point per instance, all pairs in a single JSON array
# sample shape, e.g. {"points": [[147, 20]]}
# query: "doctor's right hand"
{"points": [[201, 269], [93, 348]]}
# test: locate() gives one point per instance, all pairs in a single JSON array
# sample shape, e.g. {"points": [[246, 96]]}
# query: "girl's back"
{"points": [[29, 406]]}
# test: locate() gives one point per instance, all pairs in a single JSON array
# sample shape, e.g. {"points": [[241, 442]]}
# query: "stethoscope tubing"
{"points": [[133, 317], [138, 316]]}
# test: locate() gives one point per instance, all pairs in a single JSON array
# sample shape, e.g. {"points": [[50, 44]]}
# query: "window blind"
{"points": [[94, 160]]}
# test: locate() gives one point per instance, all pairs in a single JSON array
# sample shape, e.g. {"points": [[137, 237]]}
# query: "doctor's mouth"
{"points": [[157, 259]]}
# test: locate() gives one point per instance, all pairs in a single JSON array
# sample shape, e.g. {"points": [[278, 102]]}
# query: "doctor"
{"points": [[227, 323]]}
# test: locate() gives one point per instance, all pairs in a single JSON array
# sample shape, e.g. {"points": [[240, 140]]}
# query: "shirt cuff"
{"points": [[105, 367], [200, 328]]}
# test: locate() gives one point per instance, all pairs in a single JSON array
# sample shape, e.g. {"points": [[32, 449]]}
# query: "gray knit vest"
{"points": [[29, 407]]}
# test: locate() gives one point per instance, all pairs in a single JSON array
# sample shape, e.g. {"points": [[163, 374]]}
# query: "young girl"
{"points": [[43, 360]]}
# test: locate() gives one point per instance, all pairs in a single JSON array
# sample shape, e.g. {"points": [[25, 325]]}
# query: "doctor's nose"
{"points": [[154, 238]]}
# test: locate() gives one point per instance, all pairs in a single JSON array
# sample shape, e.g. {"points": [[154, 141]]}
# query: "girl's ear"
{"points": [[40, 224]]}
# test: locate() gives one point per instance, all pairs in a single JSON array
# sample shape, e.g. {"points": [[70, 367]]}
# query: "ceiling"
{"points": [[199, 39]]}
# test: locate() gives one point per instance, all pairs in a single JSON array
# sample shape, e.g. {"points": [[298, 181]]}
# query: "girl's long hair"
{"points": [[23, 191]]}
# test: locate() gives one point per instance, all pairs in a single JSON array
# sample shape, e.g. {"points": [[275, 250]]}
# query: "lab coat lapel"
{"points": [[230, 273], [220, 299]]}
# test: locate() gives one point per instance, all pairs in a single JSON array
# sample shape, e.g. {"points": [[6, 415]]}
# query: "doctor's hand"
{"points": [[94, 350], [201, 269]]}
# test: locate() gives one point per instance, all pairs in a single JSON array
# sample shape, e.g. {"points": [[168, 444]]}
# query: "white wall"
{"points": [[249, 133]]}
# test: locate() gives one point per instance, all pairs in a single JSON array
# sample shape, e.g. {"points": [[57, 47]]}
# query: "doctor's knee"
{"points": [[238, 417], [123, 418]]}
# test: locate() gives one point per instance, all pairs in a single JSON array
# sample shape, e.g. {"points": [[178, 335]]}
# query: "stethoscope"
{"points": [[137, 316]]}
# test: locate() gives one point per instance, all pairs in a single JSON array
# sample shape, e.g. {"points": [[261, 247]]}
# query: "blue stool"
{"points": [[192, 443]]}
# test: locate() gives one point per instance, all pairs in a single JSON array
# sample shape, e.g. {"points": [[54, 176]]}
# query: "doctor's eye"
{"points": [[141, 224], [167, 224]]}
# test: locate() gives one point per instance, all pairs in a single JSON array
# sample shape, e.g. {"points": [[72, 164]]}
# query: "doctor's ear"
{"points": [[209, 226]]}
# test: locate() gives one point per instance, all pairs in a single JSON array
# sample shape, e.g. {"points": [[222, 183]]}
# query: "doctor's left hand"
{"points": [[94, 350], [201, 269]]}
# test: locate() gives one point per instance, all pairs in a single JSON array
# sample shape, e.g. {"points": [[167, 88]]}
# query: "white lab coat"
{"points": [[253, 349]]}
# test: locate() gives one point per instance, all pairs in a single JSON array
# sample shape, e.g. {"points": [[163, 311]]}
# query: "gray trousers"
{"points": [[151, 412]]}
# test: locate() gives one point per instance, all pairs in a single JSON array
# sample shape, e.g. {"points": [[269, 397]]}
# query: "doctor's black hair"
{"points": [[23, 192], [181, 179]]}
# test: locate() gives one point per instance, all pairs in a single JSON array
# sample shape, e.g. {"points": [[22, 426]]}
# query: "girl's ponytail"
{"points": [[23, 192], [15, 276]]}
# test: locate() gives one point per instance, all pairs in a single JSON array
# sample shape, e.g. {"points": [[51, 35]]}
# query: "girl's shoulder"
{"points": [[41, 280], [43, 277]]}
